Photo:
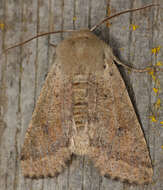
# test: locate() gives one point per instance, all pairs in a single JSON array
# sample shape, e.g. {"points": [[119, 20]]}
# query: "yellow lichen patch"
{"points": [[153, 118], [158, 103], [2, 26], [152, 74], [161, 122], [134, 27], [74, 18], [159, 63], [154, 77], [156, 50], [155, 90], [162, 146]]}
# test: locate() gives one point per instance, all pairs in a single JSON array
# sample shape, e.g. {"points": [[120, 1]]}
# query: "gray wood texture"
{"points": [[23, 71]]}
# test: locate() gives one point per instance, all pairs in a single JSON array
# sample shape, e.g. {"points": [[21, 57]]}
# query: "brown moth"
{"points": [[84, 109]]}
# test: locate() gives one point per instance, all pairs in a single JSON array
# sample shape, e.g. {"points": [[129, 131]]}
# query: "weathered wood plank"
{"points": [[23, 71]]}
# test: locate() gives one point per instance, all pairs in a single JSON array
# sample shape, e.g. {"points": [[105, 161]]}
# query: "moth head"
{"points": [[77, 55]]}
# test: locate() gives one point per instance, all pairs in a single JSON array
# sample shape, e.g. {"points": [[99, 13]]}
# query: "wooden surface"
{"points": [[23, 71]]}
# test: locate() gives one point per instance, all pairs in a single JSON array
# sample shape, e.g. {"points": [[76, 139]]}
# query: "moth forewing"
{"points": [[84, 109]]}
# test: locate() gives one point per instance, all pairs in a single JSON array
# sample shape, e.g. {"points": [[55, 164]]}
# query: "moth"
{"points": [[84, 109]]}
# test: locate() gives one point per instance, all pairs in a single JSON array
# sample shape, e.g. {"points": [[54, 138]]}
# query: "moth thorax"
{"points": [[80, 101]]}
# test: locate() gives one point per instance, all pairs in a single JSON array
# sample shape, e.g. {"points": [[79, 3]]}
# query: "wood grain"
{"points": [[23, 71]]}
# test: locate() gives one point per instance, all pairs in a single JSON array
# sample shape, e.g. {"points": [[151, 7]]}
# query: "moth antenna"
{"points": [[147, 69], [120, 13], [37, 36]]}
